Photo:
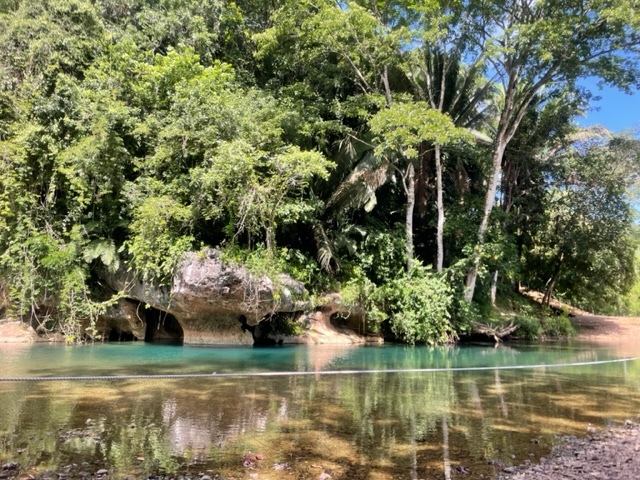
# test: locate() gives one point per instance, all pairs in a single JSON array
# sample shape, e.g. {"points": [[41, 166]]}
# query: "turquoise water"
{"points": [[144, 358], [379, 425]]}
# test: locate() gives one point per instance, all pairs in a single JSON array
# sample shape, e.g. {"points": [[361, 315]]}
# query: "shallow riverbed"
{"points": [[399, 412]]}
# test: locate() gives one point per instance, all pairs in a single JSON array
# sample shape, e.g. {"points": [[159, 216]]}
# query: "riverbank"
{"points": [[621, 332], [611, 454]]}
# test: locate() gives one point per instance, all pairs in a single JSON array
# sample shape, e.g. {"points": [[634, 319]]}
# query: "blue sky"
{"points": [[616, 110]]}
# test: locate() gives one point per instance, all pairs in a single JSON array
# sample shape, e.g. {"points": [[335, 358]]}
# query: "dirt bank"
{"points": [[16, 332], [621, 332]]}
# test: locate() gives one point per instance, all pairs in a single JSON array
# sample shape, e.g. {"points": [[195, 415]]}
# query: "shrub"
{"points": [[47, 284], [529, 328], [419, 304], [548, 326], [558, 326], [382, 254], [159, 238], [361, 292]]}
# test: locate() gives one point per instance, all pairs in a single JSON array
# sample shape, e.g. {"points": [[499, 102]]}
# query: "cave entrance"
{"points": [[162, 327]]}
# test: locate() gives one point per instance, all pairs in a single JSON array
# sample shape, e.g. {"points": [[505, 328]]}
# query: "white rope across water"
{"points": [[313, 372]]}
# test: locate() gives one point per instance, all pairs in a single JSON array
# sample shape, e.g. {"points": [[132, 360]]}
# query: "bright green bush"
{"points": [[529, 328], [419, 304], [548, 326]]}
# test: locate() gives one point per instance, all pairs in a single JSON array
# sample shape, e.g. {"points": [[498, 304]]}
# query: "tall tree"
{"points": [[440, 79], [584, 244], [545, 131], [400, 131], [532, 45]]}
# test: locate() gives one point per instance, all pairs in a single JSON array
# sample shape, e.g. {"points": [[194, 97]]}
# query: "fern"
{"points": [[105, 250]]}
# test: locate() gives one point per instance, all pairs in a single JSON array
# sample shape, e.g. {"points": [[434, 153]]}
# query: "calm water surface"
{"points": [[393, 425]]}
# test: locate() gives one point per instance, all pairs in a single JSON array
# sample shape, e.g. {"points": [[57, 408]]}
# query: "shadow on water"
{"points": [[373, 426]]}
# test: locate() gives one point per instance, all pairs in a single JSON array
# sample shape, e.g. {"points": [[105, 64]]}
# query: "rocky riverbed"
{"points": [[613, 454]]}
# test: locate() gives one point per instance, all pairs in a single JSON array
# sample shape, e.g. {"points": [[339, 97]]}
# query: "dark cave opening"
{"points": [[162, 327]]}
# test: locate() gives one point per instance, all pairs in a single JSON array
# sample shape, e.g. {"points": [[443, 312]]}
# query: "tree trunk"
{"points": [[411, 200], [387, 88], [441, 219], [494, 287], [489, 201], [270, 239], [551, 283], [270, 233]]}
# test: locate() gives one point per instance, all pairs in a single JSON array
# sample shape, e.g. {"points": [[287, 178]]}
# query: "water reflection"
{"points": [[373, 426]]}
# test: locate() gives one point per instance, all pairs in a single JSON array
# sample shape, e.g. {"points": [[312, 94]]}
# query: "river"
{"points": [[376, 412]]}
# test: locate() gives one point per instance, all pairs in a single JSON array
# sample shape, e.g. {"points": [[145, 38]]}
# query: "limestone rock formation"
{"points": [[206, 298], [204, 305], [123, 320]]}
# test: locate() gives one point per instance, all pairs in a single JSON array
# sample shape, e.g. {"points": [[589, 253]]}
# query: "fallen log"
{"points": [[497, 332]]}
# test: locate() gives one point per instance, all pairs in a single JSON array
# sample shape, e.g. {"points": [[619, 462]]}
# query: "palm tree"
{"points": [[440, 78], [450, 88]]}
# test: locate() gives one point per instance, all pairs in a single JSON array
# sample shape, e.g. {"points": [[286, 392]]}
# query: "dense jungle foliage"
{"points": [[420, 156]]}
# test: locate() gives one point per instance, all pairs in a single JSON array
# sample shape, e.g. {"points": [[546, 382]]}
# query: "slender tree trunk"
{"points": [[411, 200], [470, 284], [494, 286], [387, 88], [489, 201], [270, 233], [551, 283], [422, 179], [441, 219], [546, 300]]}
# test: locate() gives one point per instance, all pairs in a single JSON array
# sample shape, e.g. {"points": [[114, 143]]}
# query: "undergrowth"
{"points": [[534, 321]]}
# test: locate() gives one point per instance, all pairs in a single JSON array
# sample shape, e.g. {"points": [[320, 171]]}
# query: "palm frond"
{"points": [[326, 255], [593, 132], [359, 188], [480, 137]]}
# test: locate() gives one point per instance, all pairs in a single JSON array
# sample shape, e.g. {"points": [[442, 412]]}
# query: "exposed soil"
{"points": [[613, 454], [607, 329], [16, 332]]}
